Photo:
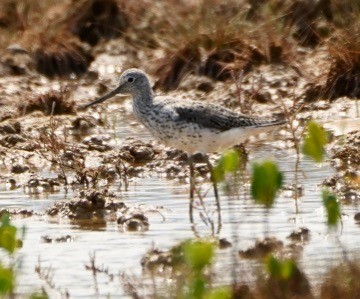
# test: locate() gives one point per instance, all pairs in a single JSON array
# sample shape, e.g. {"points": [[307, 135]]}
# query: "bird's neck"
{"points": [[142, 100]]}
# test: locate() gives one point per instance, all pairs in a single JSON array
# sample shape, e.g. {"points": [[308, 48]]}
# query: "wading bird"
{"points": [[191, 126]]}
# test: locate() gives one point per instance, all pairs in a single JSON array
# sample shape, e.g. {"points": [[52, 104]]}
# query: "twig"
{"points": [[47, 275], [95, 270]]}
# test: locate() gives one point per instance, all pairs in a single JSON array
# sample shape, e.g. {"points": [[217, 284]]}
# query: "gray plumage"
{"points": [[219, 118], [191, 126]]}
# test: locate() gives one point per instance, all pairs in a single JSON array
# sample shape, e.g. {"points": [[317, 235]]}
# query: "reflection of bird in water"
{"points": [[193, 127]]}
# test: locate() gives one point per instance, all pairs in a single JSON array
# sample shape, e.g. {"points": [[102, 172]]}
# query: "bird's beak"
{"points": [[104, 98]]}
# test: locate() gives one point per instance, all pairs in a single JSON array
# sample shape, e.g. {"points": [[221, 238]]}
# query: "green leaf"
{"points": [[39, 295], [287, 269], [228, 162], [280, 269], [197, 289], [266, 180], [198, 254], [7, 280], [332, 207], [315, 140], [7, 235], [219, 293]]}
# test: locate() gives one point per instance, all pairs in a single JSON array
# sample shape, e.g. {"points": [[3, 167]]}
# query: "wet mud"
{"points": [[51, 146]]}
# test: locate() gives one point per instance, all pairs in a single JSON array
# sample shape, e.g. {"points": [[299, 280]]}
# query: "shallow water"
{"points": [[121, 252]]}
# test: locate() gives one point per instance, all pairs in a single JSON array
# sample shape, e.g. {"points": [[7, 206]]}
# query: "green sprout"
{"points": [[228, 163], [266, 180], [278, 269], [315, 141], [332, 208]]}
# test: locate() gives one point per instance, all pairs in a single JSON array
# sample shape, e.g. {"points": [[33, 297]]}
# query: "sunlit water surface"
{"points": [[121, 252]]}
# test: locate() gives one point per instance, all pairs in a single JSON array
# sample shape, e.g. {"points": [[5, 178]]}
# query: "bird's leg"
{"points": [[192, 189], [216, 193], [211, 169], [192, 177]]}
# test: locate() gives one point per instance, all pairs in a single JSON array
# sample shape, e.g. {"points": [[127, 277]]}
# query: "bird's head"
{"points": [[132, 81]]}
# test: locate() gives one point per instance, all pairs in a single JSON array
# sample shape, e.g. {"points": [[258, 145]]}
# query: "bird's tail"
{"points": [[269, 122]]}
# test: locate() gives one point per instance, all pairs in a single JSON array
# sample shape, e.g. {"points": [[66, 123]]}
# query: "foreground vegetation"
{"points": [[292, 58]]}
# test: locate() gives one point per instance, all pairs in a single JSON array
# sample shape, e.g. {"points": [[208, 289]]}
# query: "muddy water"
{"points": [[119, 251]]}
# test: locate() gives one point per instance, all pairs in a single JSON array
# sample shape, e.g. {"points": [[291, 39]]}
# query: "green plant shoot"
{"points": [[266, 180], [198, 254], [315, 140], [280, 269], [332, 207], [7, 280], [228, 162], [219, 293], [8, 239], [8, 243]]}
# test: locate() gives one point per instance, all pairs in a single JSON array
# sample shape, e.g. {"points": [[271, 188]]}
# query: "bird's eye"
{"points": [[130, 79]]}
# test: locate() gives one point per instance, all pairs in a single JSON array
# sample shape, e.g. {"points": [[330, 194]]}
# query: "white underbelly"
{"points": [[193, 139], [210, 141]]}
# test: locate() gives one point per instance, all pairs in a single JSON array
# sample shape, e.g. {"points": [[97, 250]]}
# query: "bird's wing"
{"points": [[219, 118]]}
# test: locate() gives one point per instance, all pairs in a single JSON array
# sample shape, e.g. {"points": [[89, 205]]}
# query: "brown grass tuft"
{"points": [[297, 286], [176, 66], [216, 39], [342, 281], [343, 77], [52, 32], [309, 19], [61, 57], [92, 20], [51, 103]]}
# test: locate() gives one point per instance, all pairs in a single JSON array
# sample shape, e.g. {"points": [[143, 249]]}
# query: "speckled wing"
{"points": [[219, 118]]}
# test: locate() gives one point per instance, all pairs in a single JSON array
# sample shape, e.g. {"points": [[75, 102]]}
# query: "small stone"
{"points": [[142, 153], [262, 248], [224, 243], [12, 183], [242, 291], [205, 86], [83, 123], [62, 239], [12, 140], [301, 234], [33, 183], [8, 129], [92, 75], [262, 97], [357, 217], [17, 168], [134, 222]]}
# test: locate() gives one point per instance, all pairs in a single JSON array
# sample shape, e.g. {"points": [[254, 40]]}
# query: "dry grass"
{"points": [[63, 56], [92, 20], [345, 13], [51, 103], [297, 286], [342, 281], [52, 32], [212, 38], [343, 77], [205, 37]]}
